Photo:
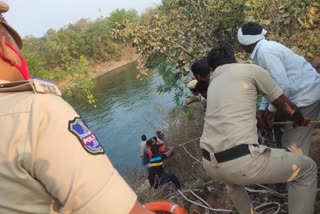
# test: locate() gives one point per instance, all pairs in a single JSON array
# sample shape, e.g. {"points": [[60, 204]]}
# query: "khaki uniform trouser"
{"points": [[298, 139], [268, 166]]}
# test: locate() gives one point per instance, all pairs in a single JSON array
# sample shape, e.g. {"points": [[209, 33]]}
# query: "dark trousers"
{"points": [[167, 177]]}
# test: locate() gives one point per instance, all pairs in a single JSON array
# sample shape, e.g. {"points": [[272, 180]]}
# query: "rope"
{"points": [[225, 210], [267, 190], [273, 191], [185, 149], [270, 203], [188, 142], [291, 122], [216, 210], [274, 123], [191, 154], [203, 201]]}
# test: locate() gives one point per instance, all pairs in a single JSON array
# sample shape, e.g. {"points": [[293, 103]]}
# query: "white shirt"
{"points": [[296, 77], [142, 146]]}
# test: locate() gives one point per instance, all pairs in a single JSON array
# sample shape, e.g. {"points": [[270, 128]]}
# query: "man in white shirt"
{"points": [[295, 76], [143, 144]]}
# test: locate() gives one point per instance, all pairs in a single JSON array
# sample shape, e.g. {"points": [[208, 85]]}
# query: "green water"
{"points": [[126, 109]]}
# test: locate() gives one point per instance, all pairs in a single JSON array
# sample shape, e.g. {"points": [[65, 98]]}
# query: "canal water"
{"points": [[126, 109]]}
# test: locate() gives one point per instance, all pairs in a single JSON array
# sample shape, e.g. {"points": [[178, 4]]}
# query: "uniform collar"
{"points": [[36, 85], [6, 83], [220, 70]]}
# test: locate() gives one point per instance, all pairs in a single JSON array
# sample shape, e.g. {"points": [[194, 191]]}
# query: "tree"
{"points": [[80, 26], [182, 30], [120, 14], [185, 30]]}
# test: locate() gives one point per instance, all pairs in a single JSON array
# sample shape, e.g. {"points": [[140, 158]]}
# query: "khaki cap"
{"points": [[4, 8]]}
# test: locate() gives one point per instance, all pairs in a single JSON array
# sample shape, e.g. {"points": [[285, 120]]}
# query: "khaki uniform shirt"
{"points": [[230, 118], [50, 161]]}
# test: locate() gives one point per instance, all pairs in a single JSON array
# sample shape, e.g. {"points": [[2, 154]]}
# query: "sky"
{"points": [[35, 17]]}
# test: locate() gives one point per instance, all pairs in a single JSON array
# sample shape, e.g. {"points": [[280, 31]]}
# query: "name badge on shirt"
{"points": [[88, 140]]}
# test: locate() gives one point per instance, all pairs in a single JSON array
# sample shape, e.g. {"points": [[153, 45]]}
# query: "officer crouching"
{"points": [[229, 142]]}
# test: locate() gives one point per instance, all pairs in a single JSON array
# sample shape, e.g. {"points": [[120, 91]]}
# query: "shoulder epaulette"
{"points": [[46, 87], [36, 85]]}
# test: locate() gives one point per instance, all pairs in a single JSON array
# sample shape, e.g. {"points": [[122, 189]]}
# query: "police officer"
{"points": [[50, 161], [229, 141]]}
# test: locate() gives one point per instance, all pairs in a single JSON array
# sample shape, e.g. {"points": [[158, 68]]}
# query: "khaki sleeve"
{"points": [[80, 177], [266, 86]]}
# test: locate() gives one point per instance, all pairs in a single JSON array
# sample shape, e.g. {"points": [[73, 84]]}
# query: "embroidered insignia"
{"points": [[87, 139], [43, 86]]}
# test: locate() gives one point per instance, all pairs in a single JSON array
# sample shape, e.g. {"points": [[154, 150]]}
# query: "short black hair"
{"points": [[155, 149], [251, 28], [201, 67], [155, 138], [221, 54], [143, 137], [149, 142]]}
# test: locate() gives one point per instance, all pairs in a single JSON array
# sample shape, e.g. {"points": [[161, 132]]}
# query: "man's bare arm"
{"points": [[283, 104]]}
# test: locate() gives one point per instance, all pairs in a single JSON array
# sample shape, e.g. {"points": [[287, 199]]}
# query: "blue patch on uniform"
{"points": [[87, 139]]}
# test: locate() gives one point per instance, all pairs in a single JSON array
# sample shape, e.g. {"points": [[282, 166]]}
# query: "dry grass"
{"points": [[184, 128]]}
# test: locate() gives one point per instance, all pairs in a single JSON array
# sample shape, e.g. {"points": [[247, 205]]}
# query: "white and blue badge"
{"points": [[87, 139]]}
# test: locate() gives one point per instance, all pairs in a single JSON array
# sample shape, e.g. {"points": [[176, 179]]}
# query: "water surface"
{"points": [[126, 109]]}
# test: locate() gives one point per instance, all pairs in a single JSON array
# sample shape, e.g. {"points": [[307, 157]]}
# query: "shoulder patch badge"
{"points": [[44, 86], [88, 140]]}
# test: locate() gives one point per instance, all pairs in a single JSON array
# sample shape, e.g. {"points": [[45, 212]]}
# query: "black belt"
{"points": [[229, 154]]}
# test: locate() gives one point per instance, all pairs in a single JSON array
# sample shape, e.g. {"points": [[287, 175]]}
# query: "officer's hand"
{"points": [[298, 119], [260, 118]]}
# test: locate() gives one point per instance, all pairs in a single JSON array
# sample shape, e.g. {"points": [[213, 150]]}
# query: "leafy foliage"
{"points": [[64, 55], [177, 32], [294, 23], [182, 31]]}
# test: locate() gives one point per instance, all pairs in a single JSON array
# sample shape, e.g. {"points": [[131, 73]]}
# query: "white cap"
{"points": [[192, 84]]}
